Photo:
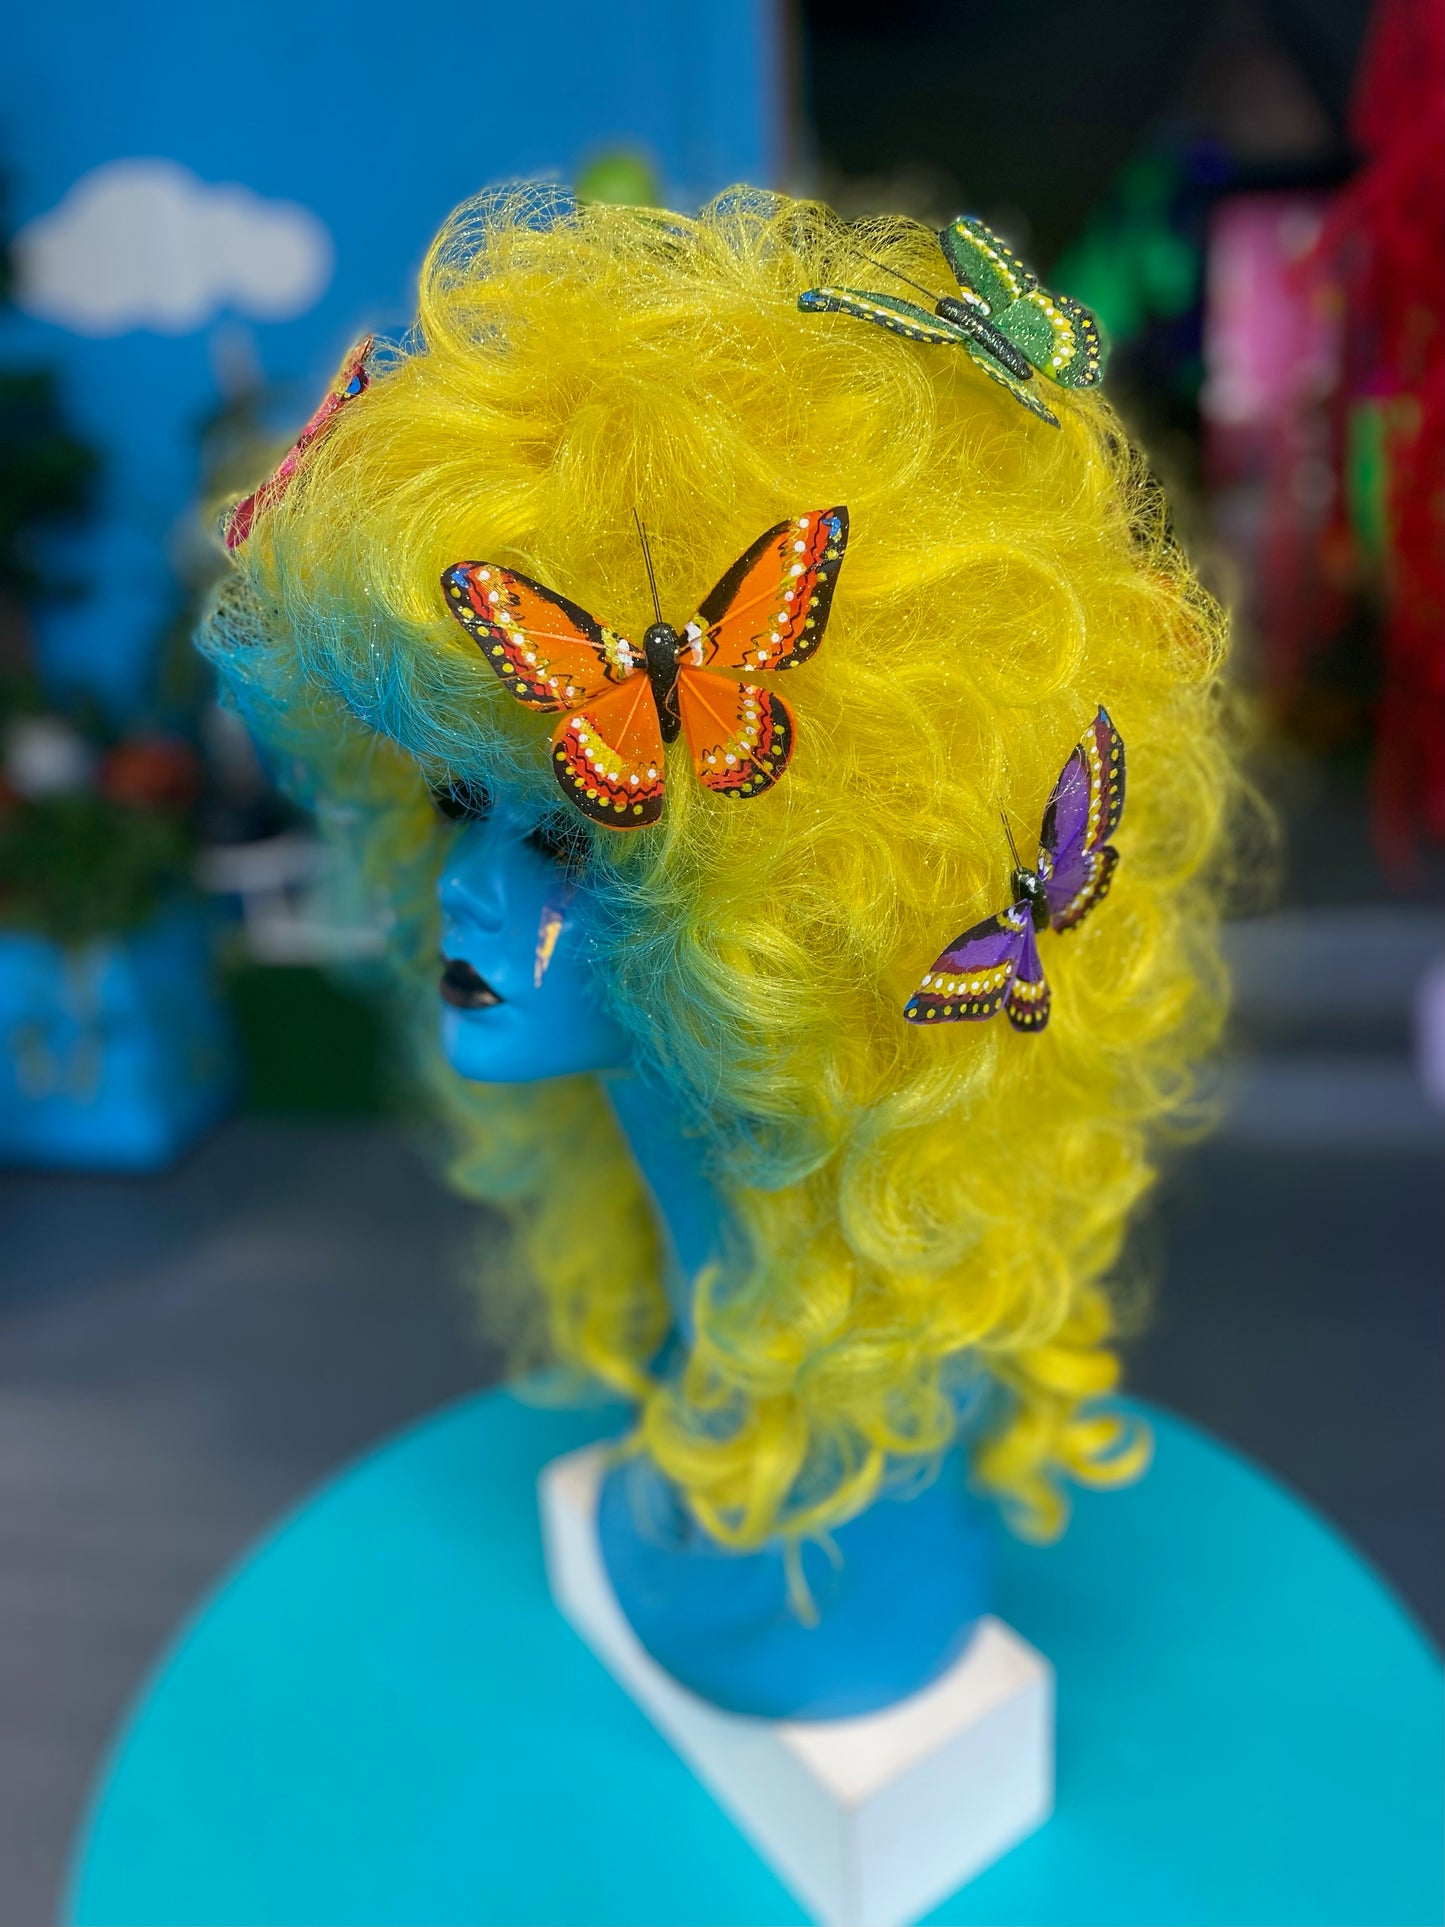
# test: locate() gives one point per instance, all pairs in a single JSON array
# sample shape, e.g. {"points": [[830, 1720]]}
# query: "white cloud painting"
{"points": [[148, 244]]}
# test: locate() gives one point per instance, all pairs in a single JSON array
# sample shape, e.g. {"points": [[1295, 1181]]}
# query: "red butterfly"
{"points": [[352, 377], [621, 704]]}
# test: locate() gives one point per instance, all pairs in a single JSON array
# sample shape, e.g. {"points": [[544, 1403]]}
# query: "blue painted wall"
{"points": [[379, 119]]}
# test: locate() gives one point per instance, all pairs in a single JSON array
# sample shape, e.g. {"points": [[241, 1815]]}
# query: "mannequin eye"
{"points": [[563, 841], [462, 801]]}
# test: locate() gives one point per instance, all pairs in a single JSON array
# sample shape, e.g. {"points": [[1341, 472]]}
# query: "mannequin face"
{"points": [[518, 992]]}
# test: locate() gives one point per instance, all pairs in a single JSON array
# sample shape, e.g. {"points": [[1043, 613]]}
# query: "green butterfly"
{"points": [[1009, 324]]}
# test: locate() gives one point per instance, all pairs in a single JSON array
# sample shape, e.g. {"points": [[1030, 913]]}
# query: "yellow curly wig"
{"points": [[918, 1205]]}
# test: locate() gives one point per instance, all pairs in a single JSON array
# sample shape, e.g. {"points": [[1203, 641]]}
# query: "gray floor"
{"points": [[180, 1359], [1298, 1313], [1293, 1263]]}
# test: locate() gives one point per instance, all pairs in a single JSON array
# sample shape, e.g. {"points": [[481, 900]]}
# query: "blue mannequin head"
{"points": [[517, 984], [520, 1004]]}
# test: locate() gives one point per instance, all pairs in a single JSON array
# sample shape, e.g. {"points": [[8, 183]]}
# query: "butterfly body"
{"points": [[995, 965], [1031, 890], [620, 705], [661, 648], [1011, 326], [976, 325]]}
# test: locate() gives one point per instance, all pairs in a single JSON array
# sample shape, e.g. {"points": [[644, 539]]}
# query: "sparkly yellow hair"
{"points": [[923, 1209]]}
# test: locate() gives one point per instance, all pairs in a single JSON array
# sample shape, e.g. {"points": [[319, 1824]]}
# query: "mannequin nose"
{"points": [[473, 887]]}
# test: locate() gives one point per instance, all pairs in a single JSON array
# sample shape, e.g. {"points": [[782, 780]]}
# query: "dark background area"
{"points": [[1034, 114]]}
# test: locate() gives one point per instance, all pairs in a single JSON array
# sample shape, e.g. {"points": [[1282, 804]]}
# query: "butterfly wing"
{"points": [[607, 756], [1058, 335], [771, 608], [984, 266], [1076, 861], [549, 652], [1022, 391], [352, 378], [1091, 877], [888, 311], [552, 655], [1028, 999], [740, 736], [972, 977]]}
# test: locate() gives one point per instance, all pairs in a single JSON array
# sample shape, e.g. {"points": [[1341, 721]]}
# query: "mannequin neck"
{"points": [[691, 1216]]}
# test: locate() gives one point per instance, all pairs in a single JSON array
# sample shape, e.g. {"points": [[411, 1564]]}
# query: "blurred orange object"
{"points": [[151, 772]]}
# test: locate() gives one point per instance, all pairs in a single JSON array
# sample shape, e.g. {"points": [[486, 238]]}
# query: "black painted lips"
{"points": [[464, 988]]}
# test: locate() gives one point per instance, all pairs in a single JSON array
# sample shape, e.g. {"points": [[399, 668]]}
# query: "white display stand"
{"points": [[870, 1821]]}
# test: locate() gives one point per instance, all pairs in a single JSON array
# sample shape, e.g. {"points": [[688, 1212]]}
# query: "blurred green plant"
{"points": [[74, 868], [1130, 264], [238, 443], [95, 831], [621, 176], [46, 475]]}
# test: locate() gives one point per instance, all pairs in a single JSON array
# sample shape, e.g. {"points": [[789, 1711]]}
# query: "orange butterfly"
{"points": [[621, 704]]}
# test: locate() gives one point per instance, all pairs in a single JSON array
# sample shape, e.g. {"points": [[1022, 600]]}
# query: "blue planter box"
{"points": [[115, 1055]]}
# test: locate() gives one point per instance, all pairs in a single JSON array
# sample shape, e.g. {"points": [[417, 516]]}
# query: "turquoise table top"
{"points": [[380, 1718]]}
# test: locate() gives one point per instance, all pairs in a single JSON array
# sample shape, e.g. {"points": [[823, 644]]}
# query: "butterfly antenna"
{"points": [[647, 558], [897, 273], [1008, 832]]}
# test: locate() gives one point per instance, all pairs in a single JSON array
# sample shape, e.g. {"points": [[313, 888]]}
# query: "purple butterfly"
{"points": [[995, 965]]}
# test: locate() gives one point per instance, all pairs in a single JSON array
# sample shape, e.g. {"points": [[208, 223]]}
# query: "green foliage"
{"points": [[45, 474], [97, 842], [1367, 477], [79, 866]]}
